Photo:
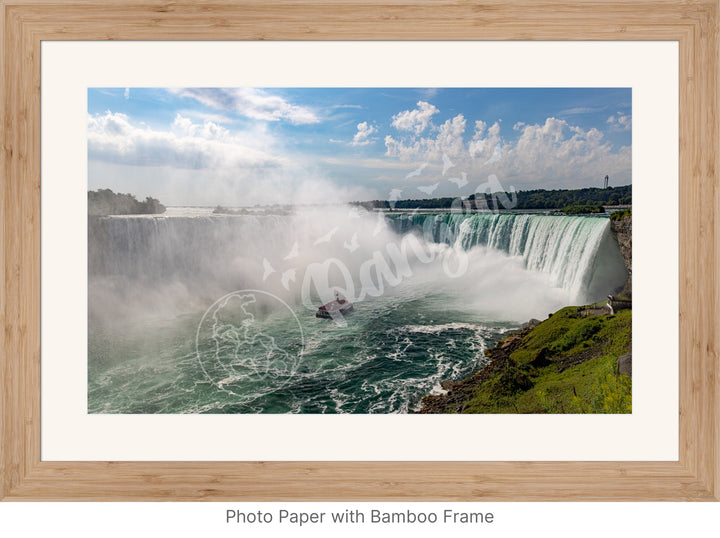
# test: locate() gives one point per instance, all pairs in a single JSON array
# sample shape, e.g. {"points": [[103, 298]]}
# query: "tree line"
{"points": [[586, 200], [106, 202]]}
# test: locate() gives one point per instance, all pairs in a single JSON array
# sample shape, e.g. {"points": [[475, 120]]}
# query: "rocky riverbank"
{"points": [[622, 229], [460, 394], [565, 364]]}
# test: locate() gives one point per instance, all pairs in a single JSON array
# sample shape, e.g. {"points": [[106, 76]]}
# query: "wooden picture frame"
{"points": [[693, 24]]}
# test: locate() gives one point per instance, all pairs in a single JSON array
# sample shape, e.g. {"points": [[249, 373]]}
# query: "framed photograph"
{"points": [[309, 253]]}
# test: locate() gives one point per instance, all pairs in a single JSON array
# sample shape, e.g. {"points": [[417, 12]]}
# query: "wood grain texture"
{"points": [[694, 24]]}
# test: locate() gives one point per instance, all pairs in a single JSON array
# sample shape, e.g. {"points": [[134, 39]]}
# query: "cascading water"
{"points": [[578, 253], [151, 280]]}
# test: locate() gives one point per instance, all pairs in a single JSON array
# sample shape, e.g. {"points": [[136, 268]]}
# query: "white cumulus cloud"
{"points": [[362, 137], [552, 153], [622, 122], [415, 120], [192, 163], [447, 141], [253, 103], [112, 137], [556, 154]]}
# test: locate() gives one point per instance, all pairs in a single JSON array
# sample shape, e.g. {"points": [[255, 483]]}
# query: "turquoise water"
{"points": [[392, 351], [167, 339]]}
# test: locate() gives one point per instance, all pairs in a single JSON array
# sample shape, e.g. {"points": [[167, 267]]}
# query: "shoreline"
{"points": [[458, 392], [576, 361]]}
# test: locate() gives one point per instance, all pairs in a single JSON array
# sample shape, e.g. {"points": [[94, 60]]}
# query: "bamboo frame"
{"points": [[693, 23]]}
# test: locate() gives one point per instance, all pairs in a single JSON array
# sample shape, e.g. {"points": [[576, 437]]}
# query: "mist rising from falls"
{"points": [[579, 254], [517, 266]]}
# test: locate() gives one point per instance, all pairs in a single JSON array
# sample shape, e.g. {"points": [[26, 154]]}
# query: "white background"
{"points": [[69, 433], [511, 520]]}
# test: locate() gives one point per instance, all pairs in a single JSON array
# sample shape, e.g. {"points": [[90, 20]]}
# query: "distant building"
{"points": [[605, 183]]}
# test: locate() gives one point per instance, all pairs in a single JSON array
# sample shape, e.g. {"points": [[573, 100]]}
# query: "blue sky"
{"points": [[247, 146]]}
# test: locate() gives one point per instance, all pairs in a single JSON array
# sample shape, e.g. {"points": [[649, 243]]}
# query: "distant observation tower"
{"points": [[605, 182]]}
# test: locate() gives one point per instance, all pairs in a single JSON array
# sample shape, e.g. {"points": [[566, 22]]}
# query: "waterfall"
{"points": [[173, 260], [140, 265], [578, 253], [159, 248]]}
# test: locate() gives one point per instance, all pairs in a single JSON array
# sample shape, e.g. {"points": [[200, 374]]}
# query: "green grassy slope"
{"points": [[566, 364]]}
